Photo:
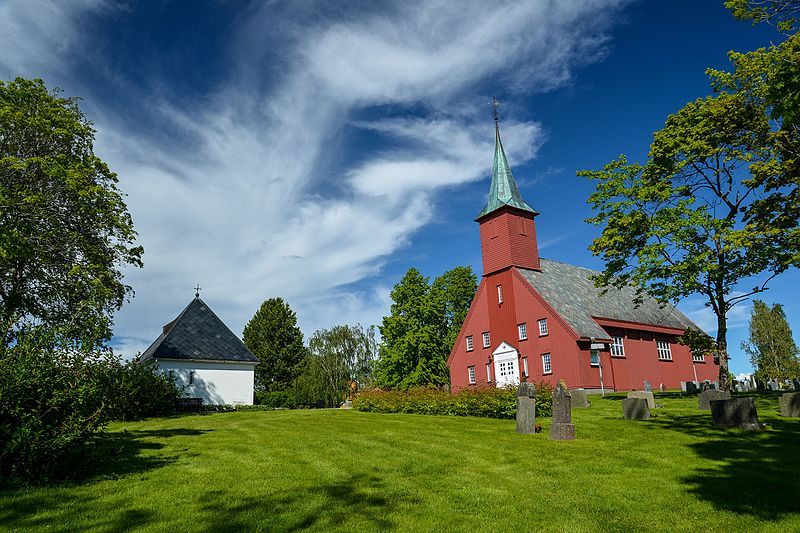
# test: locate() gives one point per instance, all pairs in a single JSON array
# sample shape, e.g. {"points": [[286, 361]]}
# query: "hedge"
{"points": [[489, 402]]}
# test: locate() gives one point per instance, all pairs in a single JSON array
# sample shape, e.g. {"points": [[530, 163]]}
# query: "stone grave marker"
{"points": [[773, 385], [714, 385], [579, 398], [705, 397], [662, 388], [691, 387], [683, 386], [635, 409], [735, 413], [790, 404], [526, 408], [644, 395], [796, 384], [647, 386], [562, 427]]}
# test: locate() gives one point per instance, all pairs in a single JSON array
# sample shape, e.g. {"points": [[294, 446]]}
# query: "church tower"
{"points": [[507, 226]]}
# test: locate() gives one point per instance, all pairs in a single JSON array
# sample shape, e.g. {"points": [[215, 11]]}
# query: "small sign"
{"points": [[597, 346]]}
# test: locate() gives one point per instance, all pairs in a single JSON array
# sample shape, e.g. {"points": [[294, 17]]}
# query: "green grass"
{"points": [[351, 471]]}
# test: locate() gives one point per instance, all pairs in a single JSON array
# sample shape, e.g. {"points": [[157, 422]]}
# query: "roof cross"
{"points": [[197, 290]]}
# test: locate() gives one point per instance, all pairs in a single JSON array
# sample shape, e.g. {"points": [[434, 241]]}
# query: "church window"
{"points": [[471, 370], [546, 364], [486, 341], [522, 329], [469, 343], [594, 357], [698, 358], [525, 366], [499, 294], [488, 373], [617, 347], [543, 327], [664, 353]]}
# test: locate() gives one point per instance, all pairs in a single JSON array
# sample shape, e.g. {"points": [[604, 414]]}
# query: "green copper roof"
{"points": [[504, 189]]}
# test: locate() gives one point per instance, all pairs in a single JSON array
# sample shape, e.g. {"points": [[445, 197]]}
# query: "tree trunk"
{"points": [[722, 351]]}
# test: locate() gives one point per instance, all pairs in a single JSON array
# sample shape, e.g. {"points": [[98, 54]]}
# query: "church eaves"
{"points": [[504, 191]]}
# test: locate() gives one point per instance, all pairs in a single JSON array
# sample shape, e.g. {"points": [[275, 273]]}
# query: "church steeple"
{"points": [[503, 191], [508, 229]]}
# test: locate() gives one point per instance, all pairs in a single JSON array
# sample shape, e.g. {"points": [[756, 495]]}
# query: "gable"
{"points": [[570, 291], [198, 334]]}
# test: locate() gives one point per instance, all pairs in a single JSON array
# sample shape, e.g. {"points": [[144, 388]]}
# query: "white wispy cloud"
{"points": [[243, 198]]}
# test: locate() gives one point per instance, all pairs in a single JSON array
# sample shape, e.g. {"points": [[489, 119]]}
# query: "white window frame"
{"points": [[499, 294], [617, 347], [592, 355], [698, 358], [664, 350], [525, 366], [486, 339], [547, 364], [470, 344], [471, 374], [522, 329], [488, 372], [543, 331]]}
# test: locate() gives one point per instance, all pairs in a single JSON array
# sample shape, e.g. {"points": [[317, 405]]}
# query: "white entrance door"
{"points": [[506, 365]]}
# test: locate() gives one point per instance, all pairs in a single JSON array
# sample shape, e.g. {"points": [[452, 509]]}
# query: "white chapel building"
{"points": [[201, 353]]}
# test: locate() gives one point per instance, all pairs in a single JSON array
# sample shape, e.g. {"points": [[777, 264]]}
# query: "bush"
{"points": [[135, 390], [275, 399], [51, 404], [489, 402]]}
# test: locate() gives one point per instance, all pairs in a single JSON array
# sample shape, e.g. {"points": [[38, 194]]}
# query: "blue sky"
{"points": [[315, 151]]}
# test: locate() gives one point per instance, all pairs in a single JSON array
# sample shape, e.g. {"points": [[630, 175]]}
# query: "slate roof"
{"points": [[198, 334], [571, 292], [503, 191]]}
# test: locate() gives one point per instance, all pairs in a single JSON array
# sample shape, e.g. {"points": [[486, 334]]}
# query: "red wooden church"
{"points": [[545, 320]]}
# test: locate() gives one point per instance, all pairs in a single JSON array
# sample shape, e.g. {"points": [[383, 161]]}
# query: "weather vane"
{"points": [[197, 291], [495, 104]]}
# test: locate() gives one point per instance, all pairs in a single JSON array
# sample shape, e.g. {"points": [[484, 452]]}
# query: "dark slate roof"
{"points": [[199, 334], [571, 292]]}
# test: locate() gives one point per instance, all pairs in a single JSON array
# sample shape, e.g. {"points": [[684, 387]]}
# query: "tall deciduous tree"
{"points": [[420, 331], [336, 358], [273, 336], [65, 232], [716, 203], [771, 348]]}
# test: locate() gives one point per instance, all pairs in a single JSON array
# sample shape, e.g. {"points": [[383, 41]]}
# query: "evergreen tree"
{"points": [[771, 348], [273, 336]]}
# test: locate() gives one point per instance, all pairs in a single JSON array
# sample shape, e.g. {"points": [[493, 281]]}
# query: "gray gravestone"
{"points": [[705, 397], [790, 404], [579, 398], [796, 384], [662, 388], [691, 387], [760, 385], [737, 387], [647, 386], [644, 395], [635, 409], [715, 385], [683, 386], [735, 413], [773, 385], [526, 408], [562, 427]]}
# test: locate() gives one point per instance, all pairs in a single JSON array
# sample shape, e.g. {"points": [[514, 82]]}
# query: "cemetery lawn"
{"points": [[352, 471]]}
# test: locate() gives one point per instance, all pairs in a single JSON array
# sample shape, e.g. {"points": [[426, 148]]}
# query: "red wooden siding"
{"points": [[508, 238]]}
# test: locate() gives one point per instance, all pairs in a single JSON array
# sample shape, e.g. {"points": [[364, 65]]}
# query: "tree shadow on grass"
{"points": [[361, 498], [113, 455], [745, 472]]}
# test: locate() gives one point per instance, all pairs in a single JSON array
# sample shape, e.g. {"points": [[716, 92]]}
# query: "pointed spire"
{"points": [[503, 190]]}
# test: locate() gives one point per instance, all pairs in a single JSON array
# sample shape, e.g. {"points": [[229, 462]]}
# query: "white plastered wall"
{"points": [[216, 382]]}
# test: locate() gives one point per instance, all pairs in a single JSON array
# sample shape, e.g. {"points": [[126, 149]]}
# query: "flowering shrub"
{"points": [[489, 402]]}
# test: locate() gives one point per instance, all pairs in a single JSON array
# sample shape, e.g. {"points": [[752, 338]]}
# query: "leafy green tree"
{"points": [[715, 203], [413, 334], [783, 14], [65, 232], [273, 336], [336, 358], [453, 292], [771, 348]]}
